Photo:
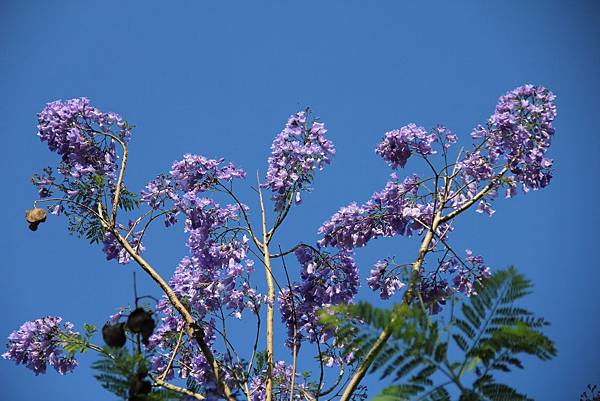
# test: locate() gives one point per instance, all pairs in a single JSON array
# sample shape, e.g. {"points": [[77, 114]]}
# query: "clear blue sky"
{"points": [[219, 78]]}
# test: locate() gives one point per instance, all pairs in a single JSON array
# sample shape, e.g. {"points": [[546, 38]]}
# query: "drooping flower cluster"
{"points": [[395, 210], [518, 135], [296, 152], [282, 377], [385, 279], [81, 134], [197, 173], [38, 343], [113, 249], [213, 277], [520, 131], [398, 145], [191, 362], [188, 177], [452, 276], [325, 280]]}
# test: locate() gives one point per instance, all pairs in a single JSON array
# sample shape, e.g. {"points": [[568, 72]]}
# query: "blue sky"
{"points": [[220, 79]]}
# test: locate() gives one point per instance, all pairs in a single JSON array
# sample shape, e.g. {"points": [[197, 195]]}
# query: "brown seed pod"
{"points": [[34, 217], [139, 320], [139, 387], [114, 335]]}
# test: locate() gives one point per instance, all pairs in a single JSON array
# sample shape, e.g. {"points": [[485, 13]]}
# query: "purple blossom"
{"points": [[113, 249], [190, 363], [282, 377], [295, 153], [196, 173], [157, 192], [39, 343], [117, 316], [325, 280], [398, 145], [80, 133], [393, 211], [384, 280], [520, 131]]}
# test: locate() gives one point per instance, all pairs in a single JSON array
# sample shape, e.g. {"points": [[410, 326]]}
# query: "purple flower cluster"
{"points": [[157, 192], [384, 279], [38, 343], [453, 276], [113, 249], [213, 277], [520, 132], [282, 377], [188, 177], [196, 173], [393, 211], [296, 152], [80, 133], [191, 362], [398, 145], [325, 280]]}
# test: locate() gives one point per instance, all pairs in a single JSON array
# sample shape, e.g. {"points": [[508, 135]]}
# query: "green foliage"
{"points": [[116, 371], [490, 331]]}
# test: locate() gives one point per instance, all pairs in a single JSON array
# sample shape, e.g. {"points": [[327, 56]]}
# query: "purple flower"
{"points": [[387, 284], [325, 280], [39, 343], [196, 173], [113, 249], [392, 211], [81, 134], [397, 145], [296, 152], [520, 131], [282, 377], [157, 192]]}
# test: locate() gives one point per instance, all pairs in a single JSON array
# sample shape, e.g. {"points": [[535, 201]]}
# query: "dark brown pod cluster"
{"points": [[140, 322], [34, 217], [139, 387], [114, 335]]}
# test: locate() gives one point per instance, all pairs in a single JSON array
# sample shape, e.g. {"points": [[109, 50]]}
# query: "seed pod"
{"points": [[138, 320], [147, 330], [34, 217], [138, 387], [114, 335]]}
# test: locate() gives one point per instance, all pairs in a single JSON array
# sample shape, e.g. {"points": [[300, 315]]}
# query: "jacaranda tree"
{"points": [[454, 325]]}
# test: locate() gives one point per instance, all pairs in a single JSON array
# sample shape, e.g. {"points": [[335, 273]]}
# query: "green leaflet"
{"points": [[489, 330]]}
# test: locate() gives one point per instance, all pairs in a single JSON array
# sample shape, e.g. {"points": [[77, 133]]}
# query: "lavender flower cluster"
{"points": [[191, 362], [393, 211], [282, 376], [296, 152], [518, 134], [81, 134], [213, 277], [38, 343], [325, 280], [385, 279], [113, 250], [398, 145]]}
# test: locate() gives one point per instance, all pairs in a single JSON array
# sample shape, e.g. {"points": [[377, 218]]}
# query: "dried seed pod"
{"points": [[138, 387], [35, 215], [114, 335], [139, 320], [147, 330]]}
